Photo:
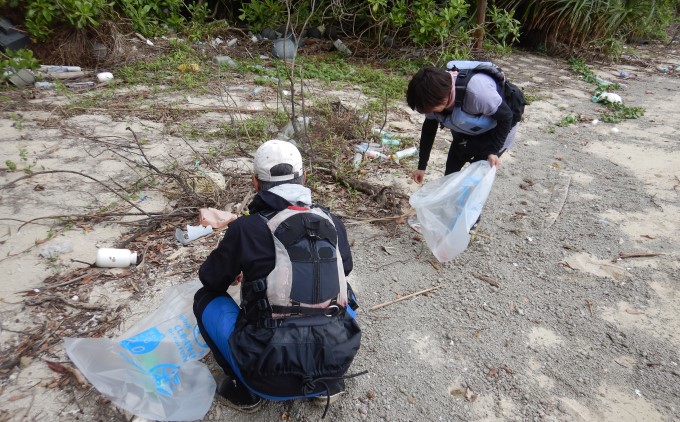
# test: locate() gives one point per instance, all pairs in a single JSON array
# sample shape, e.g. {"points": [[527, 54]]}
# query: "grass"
{"points": [[165, 70], [619, 112], [332, 68], [567, 120]]}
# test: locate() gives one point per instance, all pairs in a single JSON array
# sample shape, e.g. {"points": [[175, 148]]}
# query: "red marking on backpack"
{"points": [[294, 208]]}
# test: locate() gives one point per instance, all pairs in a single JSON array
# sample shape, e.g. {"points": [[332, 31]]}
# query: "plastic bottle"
{"points": [[386, 138], [59, 69], [363, 147], [357, 160], [80, 84], [404, 153], [224, 60], [375, 154], [115, 258], [44, 85]]}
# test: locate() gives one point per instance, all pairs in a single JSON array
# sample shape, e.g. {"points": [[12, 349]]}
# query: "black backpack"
{"points": [[511, 93], [298, 330]]}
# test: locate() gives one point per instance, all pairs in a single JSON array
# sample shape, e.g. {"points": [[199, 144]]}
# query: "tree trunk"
{"points": [[479, 32]]}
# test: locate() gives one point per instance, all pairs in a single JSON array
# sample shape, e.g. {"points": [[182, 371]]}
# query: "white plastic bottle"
{"points": [[404, 153], [115, 258]]}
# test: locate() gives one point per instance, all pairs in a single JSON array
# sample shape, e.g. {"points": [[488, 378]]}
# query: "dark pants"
{"points": [[462, 151]]}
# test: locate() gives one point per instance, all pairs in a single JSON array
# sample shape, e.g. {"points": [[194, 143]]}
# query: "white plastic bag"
{"points": [[448, 207], [152, 370]]}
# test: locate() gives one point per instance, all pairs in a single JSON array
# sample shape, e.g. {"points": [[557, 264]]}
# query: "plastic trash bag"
{"points": [[152, 370], [448, 207]]}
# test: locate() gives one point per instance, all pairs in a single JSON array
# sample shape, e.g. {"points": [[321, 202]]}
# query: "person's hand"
{"points": [[493, 160], [418, 176], [237, 280]]}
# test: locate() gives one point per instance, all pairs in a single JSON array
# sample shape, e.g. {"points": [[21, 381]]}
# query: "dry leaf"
{"points": [[458, 392], [470, 395], [493, 372], [77, 375], [634, 312], [56, 367]]}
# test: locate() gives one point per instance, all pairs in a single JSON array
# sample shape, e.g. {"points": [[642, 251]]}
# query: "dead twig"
{"points": [[12, 183], [489, 280], [623, 255], [60, 299], [66, 283], [382, 305]]}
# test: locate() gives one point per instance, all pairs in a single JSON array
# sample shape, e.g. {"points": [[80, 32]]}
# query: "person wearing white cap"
{"points": [[294, 334]]}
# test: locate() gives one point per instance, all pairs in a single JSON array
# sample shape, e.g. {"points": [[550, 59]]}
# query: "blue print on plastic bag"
{"points": [[198, 338], [462, 199], [166, 377], [143, 342]]}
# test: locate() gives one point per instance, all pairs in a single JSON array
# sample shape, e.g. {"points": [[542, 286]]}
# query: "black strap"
{"points": [[330, 311], [309, 384]]}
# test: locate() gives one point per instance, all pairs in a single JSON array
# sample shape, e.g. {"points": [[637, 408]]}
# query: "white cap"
{"points": [[275, 152]]}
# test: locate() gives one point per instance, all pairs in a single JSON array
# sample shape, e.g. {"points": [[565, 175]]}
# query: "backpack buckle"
{"points": [[270, 323], [259, 285], [262, 304], [331, 311]]}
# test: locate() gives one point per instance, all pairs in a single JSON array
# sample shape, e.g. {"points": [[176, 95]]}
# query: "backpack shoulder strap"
{"points": [[462, 81], [465, 74]]}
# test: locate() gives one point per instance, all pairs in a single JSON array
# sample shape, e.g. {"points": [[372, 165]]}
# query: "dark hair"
{"points": [[282, 169], [428, 88]]}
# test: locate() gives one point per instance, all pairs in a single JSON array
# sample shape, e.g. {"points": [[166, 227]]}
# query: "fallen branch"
{"points": [[28, 176], [40, 300], [405, 297], [623, 255], [489, 280], [157, 108], [66, 283]]}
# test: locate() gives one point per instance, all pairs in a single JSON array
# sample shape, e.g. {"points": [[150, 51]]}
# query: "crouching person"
{"points": [[294, 334]]}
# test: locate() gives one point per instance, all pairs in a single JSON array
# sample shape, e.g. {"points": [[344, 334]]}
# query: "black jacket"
{"points": [[248, 246]]}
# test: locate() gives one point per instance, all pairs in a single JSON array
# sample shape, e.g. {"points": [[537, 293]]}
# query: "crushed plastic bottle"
{"points": [[44, 85], [356, 162], [375, 154], [386, 138], [224, 60]]}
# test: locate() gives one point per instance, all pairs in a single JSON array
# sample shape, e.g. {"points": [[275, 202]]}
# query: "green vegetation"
{"points": [[181, 67], [11, 165], [15, 60], [567, 120], [595, 24], [442, 26], [618, 111]]}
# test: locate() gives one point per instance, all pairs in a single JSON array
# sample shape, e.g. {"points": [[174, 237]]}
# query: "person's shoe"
{"points": [[231, 393], [474, 226], [335, 391]]}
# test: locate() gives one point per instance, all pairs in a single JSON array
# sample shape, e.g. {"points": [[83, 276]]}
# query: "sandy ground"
{"points": [[571, 333]]}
